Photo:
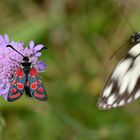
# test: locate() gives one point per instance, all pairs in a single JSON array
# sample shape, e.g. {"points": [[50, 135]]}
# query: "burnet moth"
{"points": [[26, 80]]}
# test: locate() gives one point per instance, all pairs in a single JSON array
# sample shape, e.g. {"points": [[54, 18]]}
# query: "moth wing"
{"points": [[17, 87], [123, 85], [37, 88]]}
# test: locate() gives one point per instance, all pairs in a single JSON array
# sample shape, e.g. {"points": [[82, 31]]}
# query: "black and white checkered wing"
{"points": [[123, 85]]}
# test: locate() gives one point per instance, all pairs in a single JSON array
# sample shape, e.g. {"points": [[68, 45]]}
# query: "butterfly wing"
{"points": [[123, 85], [17, 87], [37, 88]]}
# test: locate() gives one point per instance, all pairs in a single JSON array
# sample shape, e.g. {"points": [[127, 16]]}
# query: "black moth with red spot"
{"points": [[26, 80]]}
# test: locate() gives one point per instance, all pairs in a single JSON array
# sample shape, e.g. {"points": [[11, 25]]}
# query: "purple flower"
{"points": [[10, 60], [41, 66]]}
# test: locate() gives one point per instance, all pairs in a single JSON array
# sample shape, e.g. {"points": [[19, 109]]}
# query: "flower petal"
{"points": [[38, 47], [31, 44], [27, 52], [38, 54], [6, 38], [41, 66], [1, 39], [20, 46], [12, 43], [5, 96]]}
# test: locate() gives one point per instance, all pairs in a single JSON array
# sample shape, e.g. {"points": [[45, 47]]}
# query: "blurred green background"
{"points": [[81, 36]]}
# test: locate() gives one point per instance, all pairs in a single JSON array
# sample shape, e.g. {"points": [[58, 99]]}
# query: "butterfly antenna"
{"points": [[122, 7], [130, 25], [128, 22], [116, 51], [14, 49]]}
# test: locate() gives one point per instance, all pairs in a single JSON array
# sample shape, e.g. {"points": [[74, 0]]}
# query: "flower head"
{"points": [[10, 60], [41, 65]]}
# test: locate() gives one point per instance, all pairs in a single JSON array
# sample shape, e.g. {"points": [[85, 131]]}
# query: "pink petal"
{"points": [[6, 38], [1, 39], [31, 45], [38, 47], [20, 46], [41, 66], [5, 96], [12, 43], [38, 54]]}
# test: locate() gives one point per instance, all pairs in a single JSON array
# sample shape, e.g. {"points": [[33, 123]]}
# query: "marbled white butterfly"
{"points": [[123, 85]]}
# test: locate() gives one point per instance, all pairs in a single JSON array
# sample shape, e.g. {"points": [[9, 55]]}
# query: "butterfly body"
{"points": [[135, 38], [27, 80], [123, 85]]}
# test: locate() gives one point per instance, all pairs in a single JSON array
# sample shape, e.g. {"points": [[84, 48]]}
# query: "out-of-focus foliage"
{"points": [[81, 36]]}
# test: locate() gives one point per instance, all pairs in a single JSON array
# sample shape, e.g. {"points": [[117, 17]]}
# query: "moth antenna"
{"points": [[14, 50], [42, 49], [39, 51], [118, 49]]}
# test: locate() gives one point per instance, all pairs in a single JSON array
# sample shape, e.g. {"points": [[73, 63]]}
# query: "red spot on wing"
{"points": [[34, 85], [38, 82], [37, 95], [20, 86], [21, 74], [13, 90], [15, 95], [33, 72], [40, 89], [14, 82], [18, 71]]}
